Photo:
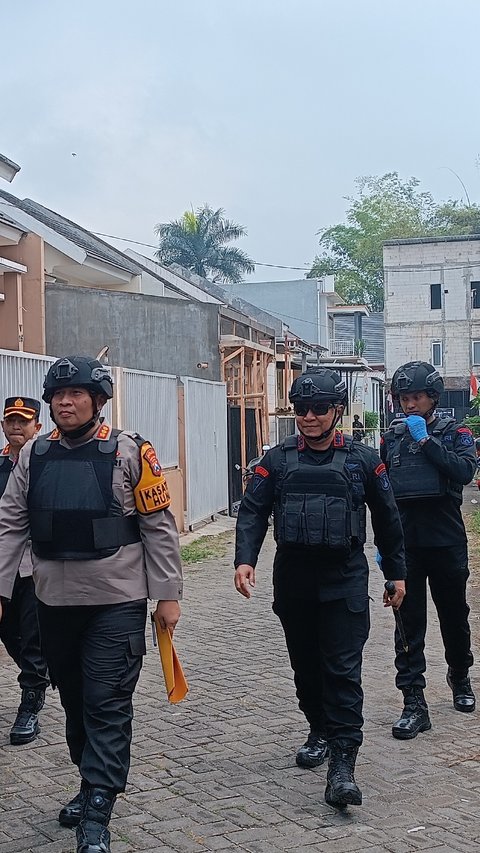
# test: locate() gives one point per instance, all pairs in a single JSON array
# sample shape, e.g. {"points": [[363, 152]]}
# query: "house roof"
{"points": [[8, 169], [87, 241]]}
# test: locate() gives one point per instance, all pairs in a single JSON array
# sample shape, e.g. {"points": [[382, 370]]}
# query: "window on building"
{"points": [[437, 354], [435, 296], [475, 293], [476, 352]]}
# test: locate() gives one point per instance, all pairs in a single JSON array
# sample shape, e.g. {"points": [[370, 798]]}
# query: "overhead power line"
{"points": [[151, 246]]}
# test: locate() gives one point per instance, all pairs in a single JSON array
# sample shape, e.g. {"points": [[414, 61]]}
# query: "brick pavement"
{"points": [[217, 772]]}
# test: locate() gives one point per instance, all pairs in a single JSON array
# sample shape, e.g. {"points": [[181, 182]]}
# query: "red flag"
{"points": [[473, 386]]}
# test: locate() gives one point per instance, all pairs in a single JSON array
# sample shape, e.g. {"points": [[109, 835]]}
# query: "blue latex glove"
{"points": [[378, 559], [417, 427]]}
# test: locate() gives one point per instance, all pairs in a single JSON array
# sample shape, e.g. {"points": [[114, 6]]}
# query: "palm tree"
{"points": [[196, 242]]}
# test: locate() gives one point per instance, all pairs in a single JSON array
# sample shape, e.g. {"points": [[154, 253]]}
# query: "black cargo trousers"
{"points": [[325, 641], [94, 655], [19, 633], [445, 569]]}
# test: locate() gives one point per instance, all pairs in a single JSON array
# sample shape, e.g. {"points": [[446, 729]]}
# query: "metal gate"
{"points": [[23, 374], [205, 448]]}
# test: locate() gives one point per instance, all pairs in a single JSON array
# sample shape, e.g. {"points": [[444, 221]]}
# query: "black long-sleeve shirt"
{"points": [[337, 578], [438, 522]]}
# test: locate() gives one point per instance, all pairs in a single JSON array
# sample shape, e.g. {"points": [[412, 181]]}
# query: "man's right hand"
{"points": [[244, 579]]}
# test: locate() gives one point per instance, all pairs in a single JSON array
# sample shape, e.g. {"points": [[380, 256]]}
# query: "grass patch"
{"points": [[474, 522], [206, 548]]}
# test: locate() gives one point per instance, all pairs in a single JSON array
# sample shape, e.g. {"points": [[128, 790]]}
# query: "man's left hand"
{"points": [[417, 427], [168, 614]]}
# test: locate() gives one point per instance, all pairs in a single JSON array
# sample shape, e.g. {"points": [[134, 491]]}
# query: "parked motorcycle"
{"points": [[249, 471]]}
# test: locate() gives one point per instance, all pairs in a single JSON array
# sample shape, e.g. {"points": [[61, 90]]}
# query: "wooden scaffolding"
{"points": [[244, 370]]}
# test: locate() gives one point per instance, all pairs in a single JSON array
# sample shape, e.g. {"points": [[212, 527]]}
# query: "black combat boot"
{"points": [[92, 833], [26, 726], [71, 814], [414, 717], [342, 790], [463, 695], [313, 752]]}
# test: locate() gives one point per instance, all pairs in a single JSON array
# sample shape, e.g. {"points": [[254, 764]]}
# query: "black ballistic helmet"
{"points": [[78, 371], [417, 376], [321, 383]]}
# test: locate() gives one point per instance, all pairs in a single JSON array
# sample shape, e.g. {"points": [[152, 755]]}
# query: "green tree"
{"points": [[384, 208], [197, 242]]}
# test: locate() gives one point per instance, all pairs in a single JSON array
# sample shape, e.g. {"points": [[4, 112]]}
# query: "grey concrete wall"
{"points": [[143, 332]]}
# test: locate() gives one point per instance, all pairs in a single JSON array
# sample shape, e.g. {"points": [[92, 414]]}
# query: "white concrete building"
{"points": [[432, 310]]}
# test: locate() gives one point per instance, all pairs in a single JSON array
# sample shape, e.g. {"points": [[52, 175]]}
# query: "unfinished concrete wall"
{"points": [[143, 332]]}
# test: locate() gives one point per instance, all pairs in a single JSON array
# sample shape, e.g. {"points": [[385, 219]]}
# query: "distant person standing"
{"points": [[358, 429], [19, 631]]}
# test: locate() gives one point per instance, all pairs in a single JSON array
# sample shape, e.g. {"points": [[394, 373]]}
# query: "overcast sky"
{"points": [[267, 108]]}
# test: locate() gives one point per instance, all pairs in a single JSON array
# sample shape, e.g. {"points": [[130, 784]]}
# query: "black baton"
{"points": [[390, 589]]}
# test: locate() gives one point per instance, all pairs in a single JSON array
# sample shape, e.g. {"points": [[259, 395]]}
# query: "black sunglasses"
{"points": [[302, 409]]}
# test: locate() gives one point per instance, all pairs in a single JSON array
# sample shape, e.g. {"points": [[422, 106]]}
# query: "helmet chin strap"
{"points": [[324, 435]]}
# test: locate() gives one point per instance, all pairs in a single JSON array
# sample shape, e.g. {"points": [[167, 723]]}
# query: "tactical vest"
{"points": [[315, 503], [410, 472], [72, 511], [6, 465]]}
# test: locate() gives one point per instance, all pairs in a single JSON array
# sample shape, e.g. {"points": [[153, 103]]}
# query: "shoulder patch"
{"points": [[151, 459], [262, 472], [381, 472], [55, 435], [259, 476], [338, 439], [301, 443], [151, 492], [466, 436]]}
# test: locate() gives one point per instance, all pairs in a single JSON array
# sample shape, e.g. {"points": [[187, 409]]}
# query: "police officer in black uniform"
{"points": [[318, 484], [429, 460], [19, 631]]}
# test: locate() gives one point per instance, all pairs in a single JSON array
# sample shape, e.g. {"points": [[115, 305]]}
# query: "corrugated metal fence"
{"points": [[205, 448], [148, 404]]}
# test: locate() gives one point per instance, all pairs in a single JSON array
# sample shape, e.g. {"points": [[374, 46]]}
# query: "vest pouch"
{"points": [[41, 526], [293, 520], [336, 519], [315, 519]]}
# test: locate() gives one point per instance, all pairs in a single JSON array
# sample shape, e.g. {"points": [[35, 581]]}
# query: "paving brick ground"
{"points": [[217, 772]]}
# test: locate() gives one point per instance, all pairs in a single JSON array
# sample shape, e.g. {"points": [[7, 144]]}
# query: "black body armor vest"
{"points": [[410, 472], [315, 503], [6, 465], [72, 511]]}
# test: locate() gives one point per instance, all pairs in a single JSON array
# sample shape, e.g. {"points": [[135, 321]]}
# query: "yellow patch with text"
{"points": [[151, 492]]}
